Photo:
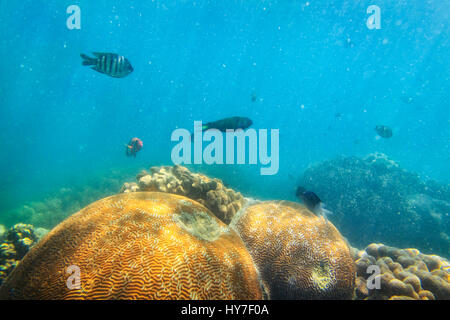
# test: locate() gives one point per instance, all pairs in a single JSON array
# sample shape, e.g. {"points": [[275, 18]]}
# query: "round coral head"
{"points": [[145, 245], [299, 255]]}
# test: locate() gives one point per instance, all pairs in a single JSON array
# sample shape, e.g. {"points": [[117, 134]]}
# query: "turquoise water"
{"points": [[313, 70]]}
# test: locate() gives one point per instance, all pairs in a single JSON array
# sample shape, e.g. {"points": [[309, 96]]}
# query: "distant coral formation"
{"points": [[14, 244], [64, 202], [299, 255], [373, 199], [181, 235], [2, 230], [144, 245], [212, 193], [404, 274]]}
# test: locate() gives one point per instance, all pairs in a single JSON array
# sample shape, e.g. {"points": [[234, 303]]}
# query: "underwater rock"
{"points": [[373, 199], [2, 230], [298, 254], [41, 232], [144, 245], [129, 187], [404, 274], [212, 193], [14, 244]]}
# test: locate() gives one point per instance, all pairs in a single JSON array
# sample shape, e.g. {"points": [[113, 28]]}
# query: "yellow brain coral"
{"points": [[299, 255], [146, 245]]}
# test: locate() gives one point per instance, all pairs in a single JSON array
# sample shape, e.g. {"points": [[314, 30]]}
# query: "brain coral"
{"points": [[299, 255], [212, 193], [145, 245], [404, 274]]}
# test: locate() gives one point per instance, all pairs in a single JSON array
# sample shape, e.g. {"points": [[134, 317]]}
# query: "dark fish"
{"points": [[254, 97], [110, 64], [233, 123], [384, 131], [312, 202]]}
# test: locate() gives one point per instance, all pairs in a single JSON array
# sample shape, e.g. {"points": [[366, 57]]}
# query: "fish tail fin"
{"points": [[204, 127], [87, 61], [325, 213]]}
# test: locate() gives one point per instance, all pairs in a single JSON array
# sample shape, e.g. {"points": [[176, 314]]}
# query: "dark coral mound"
{"points": [[14, 244], [223, 202], [145, 245], [373, 199], [404, 274], [299, 255]]}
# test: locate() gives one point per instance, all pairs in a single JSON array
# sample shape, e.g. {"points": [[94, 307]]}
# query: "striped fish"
{"points": [[110, 64]]}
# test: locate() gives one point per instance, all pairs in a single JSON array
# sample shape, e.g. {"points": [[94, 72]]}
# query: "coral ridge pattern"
{"points": [[145, 245], [181, 235]]}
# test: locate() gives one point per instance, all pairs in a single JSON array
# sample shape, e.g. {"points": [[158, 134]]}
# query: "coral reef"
{"points": [[299, 255], [15, 243], [175, 243], [144, 245], [403, 274], [212, 193], [374, 200], [66, 201]]}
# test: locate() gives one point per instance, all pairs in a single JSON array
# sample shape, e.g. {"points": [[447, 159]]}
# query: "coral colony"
{"points": [[417, 211], [197, 239]]}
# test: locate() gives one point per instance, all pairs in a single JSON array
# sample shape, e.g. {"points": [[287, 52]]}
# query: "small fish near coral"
{"points": [[312, 202], [383, 131], [133, 147], [111, 64], [232, 123]]}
